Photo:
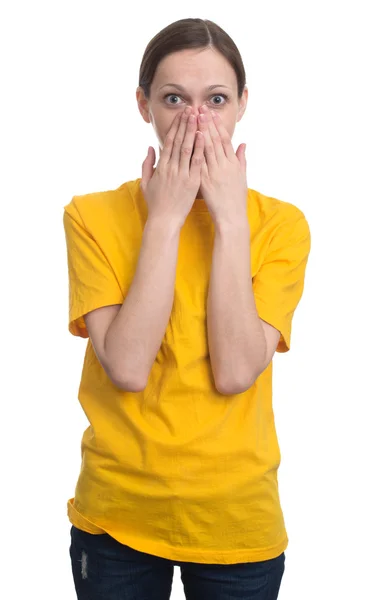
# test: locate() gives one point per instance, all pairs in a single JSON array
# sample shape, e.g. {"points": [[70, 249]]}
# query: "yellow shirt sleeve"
{"points": [[92, 281], [278, 284]]}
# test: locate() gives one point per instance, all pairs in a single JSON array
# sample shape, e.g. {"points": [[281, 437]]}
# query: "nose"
{"points": [[196, 109]]}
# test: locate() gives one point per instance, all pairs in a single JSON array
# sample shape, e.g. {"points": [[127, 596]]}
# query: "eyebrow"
{"points": [[180, 87]]}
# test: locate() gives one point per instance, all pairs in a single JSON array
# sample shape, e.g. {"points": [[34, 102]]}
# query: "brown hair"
{"points": [[189, 33]]}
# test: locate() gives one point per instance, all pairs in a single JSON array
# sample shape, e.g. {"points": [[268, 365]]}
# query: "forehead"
{"points": [[195, 67]]}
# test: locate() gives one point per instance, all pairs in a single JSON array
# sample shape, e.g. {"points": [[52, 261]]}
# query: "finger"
{"points": [[223, 134], [188, 142], [211, 158], [214, 134], [198, 157], [166, 152], [148, 165], [204, 171], [177, 144]]}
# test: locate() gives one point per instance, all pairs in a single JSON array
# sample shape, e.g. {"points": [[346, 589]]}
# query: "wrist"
{"points": [[234, 224], [168, 227]]}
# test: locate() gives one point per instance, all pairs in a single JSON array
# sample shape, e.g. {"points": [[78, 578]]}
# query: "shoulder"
{"points": [[272, 216], [93, 209]]}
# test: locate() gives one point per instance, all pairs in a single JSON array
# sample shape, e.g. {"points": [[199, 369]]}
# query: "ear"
{"points": [[243, 104], [142, 104]]}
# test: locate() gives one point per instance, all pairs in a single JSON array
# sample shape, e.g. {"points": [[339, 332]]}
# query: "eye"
{"points": [[224, 96], [174, 96], [221, 96]]}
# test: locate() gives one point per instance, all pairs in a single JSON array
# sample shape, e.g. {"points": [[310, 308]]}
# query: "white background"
{"points": [[70, 125]]}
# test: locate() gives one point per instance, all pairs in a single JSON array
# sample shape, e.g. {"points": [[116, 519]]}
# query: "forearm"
{"points": [[235, 335], [135, 335]]}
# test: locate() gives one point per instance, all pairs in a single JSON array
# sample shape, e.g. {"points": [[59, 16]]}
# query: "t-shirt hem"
{"points": [[176, 554]]}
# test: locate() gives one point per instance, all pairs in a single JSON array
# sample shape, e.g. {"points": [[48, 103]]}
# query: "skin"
{"points": [[195, 70]]}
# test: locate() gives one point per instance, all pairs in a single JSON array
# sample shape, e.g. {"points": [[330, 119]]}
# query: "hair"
{"points": [[189, 33]]}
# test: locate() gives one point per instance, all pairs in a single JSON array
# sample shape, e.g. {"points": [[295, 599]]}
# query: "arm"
{"points": [[135, 335], [236, 337]]}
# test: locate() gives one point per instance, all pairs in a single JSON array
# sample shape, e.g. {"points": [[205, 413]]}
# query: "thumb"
{"points": [[240, 153], [148, 165]]}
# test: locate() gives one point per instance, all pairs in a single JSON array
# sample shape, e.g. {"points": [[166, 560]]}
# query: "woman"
{"points": [[185, 281]]}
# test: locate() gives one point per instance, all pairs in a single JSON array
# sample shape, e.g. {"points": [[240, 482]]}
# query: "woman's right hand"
{"points": [[171, 188]]}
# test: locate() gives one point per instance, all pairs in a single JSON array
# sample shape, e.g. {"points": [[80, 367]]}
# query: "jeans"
{"points": [[105, 569]]}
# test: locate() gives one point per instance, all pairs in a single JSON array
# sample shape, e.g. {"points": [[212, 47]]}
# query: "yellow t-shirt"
{"points": [[180, 470]]}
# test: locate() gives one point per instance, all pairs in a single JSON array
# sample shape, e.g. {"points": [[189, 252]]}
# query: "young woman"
{"points": [[185, 281]]}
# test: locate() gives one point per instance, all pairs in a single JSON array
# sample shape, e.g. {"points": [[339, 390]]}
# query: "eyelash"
{"points": [[216, 105]]}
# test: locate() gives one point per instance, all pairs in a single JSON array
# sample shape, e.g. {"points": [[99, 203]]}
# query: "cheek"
{"points": [[228, 123], [162, 128], [230, 127]]}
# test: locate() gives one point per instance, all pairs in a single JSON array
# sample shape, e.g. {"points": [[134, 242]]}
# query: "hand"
{"points": [[171, 188], [223, 173]]}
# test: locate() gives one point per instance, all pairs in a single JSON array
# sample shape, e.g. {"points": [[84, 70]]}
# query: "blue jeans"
{"points": [[105, 569]]}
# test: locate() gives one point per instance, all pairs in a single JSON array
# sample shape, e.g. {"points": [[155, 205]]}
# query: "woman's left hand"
{"points": [[223, 172]]}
